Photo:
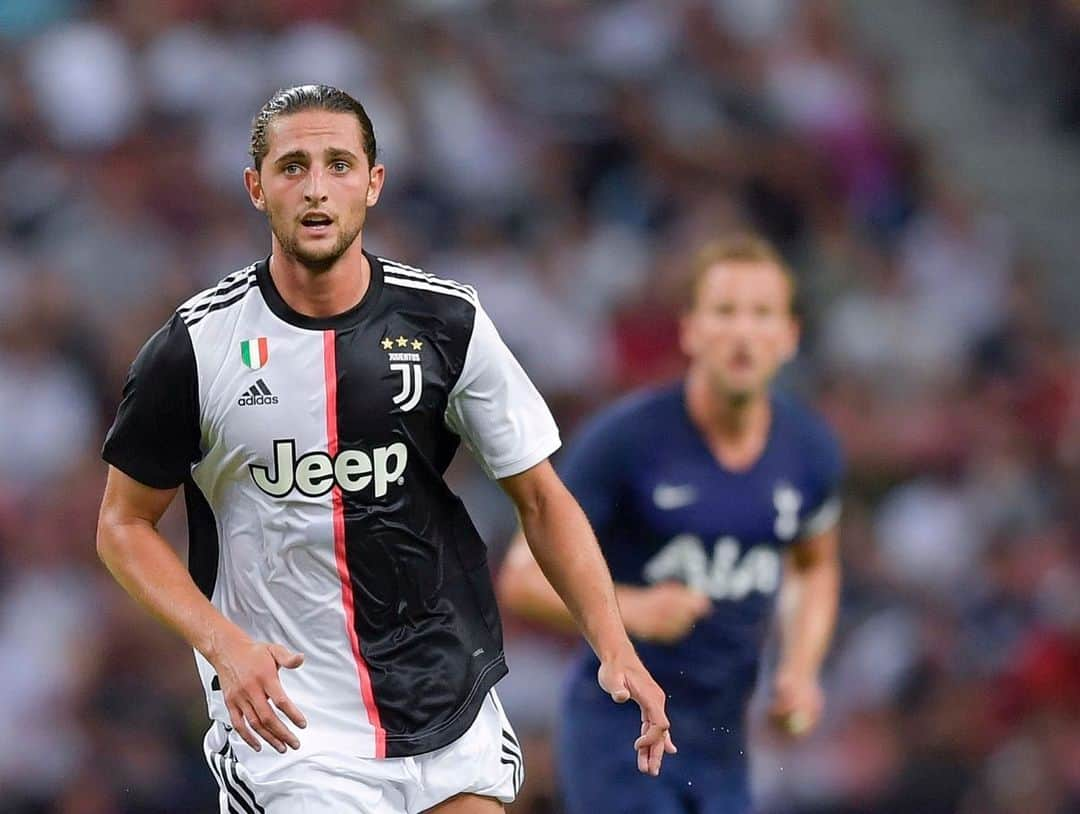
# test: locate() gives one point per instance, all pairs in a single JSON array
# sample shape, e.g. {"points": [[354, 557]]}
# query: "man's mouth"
{"points": [[741, 360], [316, 220]]}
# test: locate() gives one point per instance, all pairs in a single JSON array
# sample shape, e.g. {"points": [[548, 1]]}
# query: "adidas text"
{"points": [[248, 400], [258, 393]]}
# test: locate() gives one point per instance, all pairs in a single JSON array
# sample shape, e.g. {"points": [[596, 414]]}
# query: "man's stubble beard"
{"points": [[732, 397], [323, 261]]}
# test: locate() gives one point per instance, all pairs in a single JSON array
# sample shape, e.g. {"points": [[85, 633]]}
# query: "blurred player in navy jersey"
{"points": [[707, 496]]}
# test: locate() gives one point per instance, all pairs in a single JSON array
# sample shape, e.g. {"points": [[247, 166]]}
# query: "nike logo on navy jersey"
{"points": [[257, 394], [668, 496]]}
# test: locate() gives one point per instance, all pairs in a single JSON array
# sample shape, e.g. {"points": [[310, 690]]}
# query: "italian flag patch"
{"points": [[255, 352]]}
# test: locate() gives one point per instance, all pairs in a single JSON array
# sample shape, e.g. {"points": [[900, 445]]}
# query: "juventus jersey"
{"points": [[312, 453]]}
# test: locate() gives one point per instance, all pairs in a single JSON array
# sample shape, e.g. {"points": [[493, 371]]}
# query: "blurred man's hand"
{"points": [[663, 613], [796, 705]]}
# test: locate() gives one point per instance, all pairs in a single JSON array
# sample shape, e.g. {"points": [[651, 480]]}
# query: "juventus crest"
{"points": [[403, 355]]}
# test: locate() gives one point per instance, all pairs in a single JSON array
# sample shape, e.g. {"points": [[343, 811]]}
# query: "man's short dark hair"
{"points": [[307, 97]]}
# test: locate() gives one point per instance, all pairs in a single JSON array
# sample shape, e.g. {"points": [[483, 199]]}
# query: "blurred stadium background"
{"points": [[916, 161]]}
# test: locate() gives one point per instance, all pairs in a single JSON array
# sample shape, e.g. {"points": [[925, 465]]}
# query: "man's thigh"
{"points": [[468, 804], [610, 789], [598, 768], [718, 788]]}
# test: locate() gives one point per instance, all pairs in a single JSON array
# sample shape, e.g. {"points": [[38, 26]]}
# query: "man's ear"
{"points": [[376, 179], [253, 184], [688, 335], [791, 341]]}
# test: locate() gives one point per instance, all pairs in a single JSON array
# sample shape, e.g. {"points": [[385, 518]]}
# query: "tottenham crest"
{"points": [[403, 354], [787, 501]]}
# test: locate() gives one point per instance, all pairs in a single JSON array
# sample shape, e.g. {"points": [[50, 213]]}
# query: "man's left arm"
{"points": [[807, 614], [507, 426], [566, 550]]}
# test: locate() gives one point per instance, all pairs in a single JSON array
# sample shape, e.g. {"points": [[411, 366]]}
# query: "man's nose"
{"points": [[314, 188], [742, 323]]}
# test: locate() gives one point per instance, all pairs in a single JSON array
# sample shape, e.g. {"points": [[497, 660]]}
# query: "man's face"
{"points": [[315, 185], [740, 328]]}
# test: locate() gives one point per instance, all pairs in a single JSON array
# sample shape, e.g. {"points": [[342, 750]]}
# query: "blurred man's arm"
{"points": [[523, 589], [144, 563], [664, 613], [807, 614], [567, 552]]}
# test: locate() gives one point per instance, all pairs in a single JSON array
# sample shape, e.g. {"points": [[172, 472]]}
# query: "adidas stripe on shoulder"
{"points": [[399, 274], [232, 288]]}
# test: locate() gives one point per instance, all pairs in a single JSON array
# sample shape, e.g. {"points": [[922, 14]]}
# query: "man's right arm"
{"points": [[663, 613], [146, 566]]}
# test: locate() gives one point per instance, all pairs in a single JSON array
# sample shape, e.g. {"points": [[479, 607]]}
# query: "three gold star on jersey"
{"points": [[401, 342]]}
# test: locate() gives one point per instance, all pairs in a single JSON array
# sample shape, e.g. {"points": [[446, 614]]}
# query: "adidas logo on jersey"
{"points": [[315, 473], [258, 393]]}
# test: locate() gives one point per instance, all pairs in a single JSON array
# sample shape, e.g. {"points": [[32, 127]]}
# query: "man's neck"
{"points": [[324, 293], [735, 428]]}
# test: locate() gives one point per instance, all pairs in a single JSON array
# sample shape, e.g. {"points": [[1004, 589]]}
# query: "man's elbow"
{"points": [[106, 538], [820, 577], [510, 586], [516, 581], [534, 492], [112, 537]]}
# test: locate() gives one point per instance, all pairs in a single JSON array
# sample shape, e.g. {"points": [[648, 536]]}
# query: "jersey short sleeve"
{"points": [[826, 470], [496, 409], [155, 437]]}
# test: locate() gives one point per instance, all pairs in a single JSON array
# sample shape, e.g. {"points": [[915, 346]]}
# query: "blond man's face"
{"points": [[740, 329]]}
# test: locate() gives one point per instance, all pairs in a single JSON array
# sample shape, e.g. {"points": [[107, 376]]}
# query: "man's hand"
{"points": [[797, 703], [626, 679], [248, 672], [663, 613]]}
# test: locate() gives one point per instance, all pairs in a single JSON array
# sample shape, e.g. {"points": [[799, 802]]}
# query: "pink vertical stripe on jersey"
{"points": [[330, 369]]}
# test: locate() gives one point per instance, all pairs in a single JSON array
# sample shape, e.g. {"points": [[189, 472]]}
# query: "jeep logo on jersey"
{"points": [[404, 357], [316, 473]]}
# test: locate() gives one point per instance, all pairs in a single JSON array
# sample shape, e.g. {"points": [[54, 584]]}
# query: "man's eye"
{"points": [[293, 169], [340, 166]]}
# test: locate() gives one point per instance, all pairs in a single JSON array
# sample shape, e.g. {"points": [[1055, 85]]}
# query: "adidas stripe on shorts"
{"points": [[486, 760]]}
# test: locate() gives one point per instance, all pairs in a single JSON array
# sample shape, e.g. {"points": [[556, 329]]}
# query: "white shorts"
{"points": [[486, 760]]}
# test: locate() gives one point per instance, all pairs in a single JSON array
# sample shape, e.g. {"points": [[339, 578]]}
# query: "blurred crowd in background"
{"points": [[565, 157]]}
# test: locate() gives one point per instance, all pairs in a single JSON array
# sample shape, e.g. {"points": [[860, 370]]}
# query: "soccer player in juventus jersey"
{"points": [[697, 493], [309, 405]]}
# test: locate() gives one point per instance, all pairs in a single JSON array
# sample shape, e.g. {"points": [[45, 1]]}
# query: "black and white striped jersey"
{"points": [[312, 453]]}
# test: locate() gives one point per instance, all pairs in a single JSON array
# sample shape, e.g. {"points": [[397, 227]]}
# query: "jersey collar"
{"points": [[338, 322]]}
